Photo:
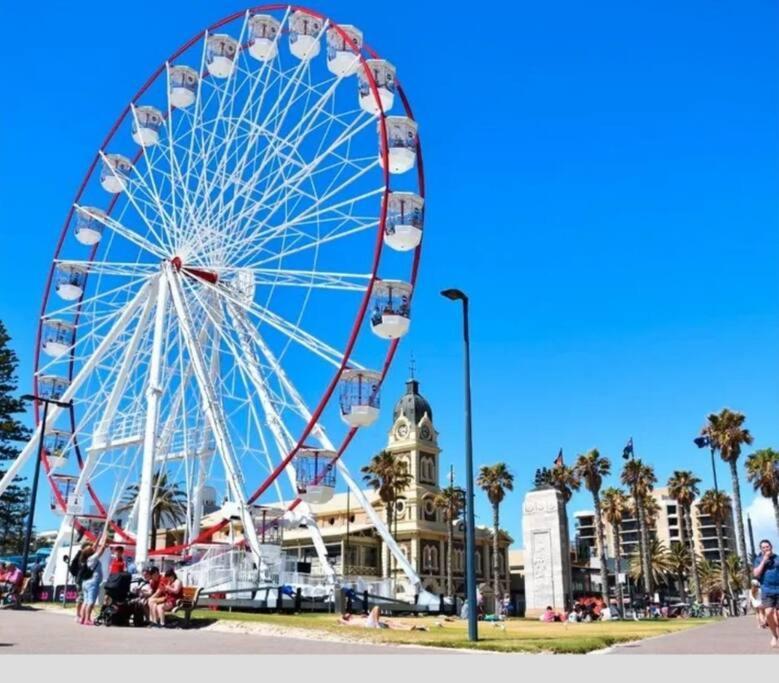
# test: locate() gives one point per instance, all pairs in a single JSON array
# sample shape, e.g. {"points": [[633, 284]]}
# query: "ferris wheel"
{"points": [[230, 284]]}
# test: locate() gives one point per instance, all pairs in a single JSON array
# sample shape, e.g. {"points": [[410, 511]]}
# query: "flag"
{"points": [[627, 451], [559, 459]]}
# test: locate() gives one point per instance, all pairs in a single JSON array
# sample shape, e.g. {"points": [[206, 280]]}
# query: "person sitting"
{"points": [[373, 620], [165, 598], [12, 581], [4, 585], [548, 616]]}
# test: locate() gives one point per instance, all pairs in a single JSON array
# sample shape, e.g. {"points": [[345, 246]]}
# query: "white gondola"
{"points": [[182, 89], [57, 338], [402, 138], [69, 281], [115, 173], [342, 60], [263, 30], [89, 227], [55, 445], [390, 308], [66, 484], [384, 75], [405, 217], [221, 52], [360, 397], [304, 30], [147, 122], [315, 475], [269, 523], [52, 387]]}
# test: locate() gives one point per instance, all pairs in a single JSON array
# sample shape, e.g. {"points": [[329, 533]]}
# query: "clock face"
{"points": [[402, 430], [425, 432]]}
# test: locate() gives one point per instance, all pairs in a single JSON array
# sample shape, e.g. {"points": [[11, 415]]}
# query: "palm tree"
{"points": [[566, 481], [660, 565], [679, 557], [727, 435], [389, 475], [710, 577], [495, 480], [640, 478], [717, 506], [683, 488], [613, 507], [450, 501], [763, 472], [168, 506], [591, 467], [735, 571]]}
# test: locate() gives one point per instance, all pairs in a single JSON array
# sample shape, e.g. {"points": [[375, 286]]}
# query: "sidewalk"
{"points": [[733, 636]]}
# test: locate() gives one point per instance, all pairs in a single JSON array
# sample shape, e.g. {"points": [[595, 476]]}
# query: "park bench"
{"points": [[187, 602]]}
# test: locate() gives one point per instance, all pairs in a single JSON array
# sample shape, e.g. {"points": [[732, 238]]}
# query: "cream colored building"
{"points": [[667, 530]]}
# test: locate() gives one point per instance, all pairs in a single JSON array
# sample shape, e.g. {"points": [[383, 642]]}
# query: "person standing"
{"points": [[767, 573], [92, 577]]}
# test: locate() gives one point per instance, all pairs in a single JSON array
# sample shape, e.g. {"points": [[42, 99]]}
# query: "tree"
{"points": [[14, 503], [389, 476], [495, 480], [683, 488], [710, 577], [659, 565], [727, 435], [168, 507], [590, 468], [763, 472], [614, 506], [735, 571], [640, 478], [717, 506], [450, 501], [679, 558]]}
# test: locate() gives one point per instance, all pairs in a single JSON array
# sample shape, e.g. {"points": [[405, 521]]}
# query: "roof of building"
{"points": [[412, 405]]}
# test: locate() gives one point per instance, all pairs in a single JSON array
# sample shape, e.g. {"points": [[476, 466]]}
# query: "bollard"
{"points": [[280, 600], [298, 599]]}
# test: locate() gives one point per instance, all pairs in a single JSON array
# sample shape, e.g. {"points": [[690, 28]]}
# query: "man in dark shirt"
{"points": [[767, 572]]}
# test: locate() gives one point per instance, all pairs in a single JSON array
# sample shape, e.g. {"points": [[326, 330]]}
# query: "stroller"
{"points": [[116, 609]]}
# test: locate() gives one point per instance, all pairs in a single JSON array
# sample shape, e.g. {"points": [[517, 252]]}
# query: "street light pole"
{"points": [[470, 528], [36, 476]]}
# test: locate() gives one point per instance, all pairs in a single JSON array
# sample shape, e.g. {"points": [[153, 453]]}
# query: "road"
{"points": [[30, 631], [734, 636]]}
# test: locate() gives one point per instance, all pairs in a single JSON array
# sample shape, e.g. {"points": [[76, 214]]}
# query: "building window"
{"points": [[430, 558], [427, 469], [458, 559], [477, 562]]}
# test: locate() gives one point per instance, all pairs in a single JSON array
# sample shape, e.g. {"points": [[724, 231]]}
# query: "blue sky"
{"points": [[602, 181]]}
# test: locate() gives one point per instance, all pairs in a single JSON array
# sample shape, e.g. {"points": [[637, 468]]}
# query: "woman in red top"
{"points": [[165, 599]]}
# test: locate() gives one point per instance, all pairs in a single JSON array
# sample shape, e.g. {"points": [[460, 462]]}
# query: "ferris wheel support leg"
{"points": [[320, 435], [213, 412], [153, 392], [54, 411], [284, 444]]}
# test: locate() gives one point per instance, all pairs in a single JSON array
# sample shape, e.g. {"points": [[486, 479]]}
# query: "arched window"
{"points": [[458, 559], [477, 561], [430, 558], [434, 557]]}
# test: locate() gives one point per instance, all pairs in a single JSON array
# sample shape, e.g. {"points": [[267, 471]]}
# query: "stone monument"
{"points": [[547, 556]]}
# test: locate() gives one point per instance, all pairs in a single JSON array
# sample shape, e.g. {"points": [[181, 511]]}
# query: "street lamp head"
{"points": [[454, 294], [27, 397], [702, 441]]}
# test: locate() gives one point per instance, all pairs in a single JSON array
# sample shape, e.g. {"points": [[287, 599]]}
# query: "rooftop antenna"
{"points": [[412, 367]]}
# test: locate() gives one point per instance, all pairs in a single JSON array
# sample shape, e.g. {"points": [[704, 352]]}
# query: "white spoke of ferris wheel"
{"points": [[127, 233], [164, 217], [319, 433], [272, 277], [248, 364], [261, 75], [55, 410], [213, 411], [305, 339], [136, 270]]}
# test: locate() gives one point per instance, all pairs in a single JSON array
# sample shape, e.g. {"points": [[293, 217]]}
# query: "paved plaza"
{"points": [[735, 636], [41, 632]]}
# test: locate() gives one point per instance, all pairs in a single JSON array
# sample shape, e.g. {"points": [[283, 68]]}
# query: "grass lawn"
{"points": [[520, 635]]}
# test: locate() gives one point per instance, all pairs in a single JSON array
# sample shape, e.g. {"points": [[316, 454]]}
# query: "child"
{"points": [[757, 603]]}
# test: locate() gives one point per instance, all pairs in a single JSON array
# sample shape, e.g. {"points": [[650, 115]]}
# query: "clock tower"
{"points": [[414, 438]]}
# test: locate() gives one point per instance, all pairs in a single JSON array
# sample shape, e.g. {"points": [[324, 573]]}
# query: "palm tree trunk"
{"points": [[604, 570], [723, 567], [643, 545], [741, 539], [775, 501], [687, 521], [449, 554], [618, 568], [388, 573], [495, 566]]}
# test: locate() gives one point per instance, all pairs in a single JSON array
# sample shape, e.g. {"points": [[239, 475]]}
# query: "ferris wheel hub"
{"points": [[200, 273]]}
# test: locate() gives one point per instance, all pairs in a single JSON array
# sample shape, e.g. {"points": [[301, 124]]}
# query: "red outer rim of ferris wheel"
{"points": [[360, 317]]}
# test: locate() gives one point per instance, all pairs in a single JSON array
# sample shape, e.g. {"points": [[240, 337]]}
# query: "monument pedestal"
{"points": [[547, 556]]}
